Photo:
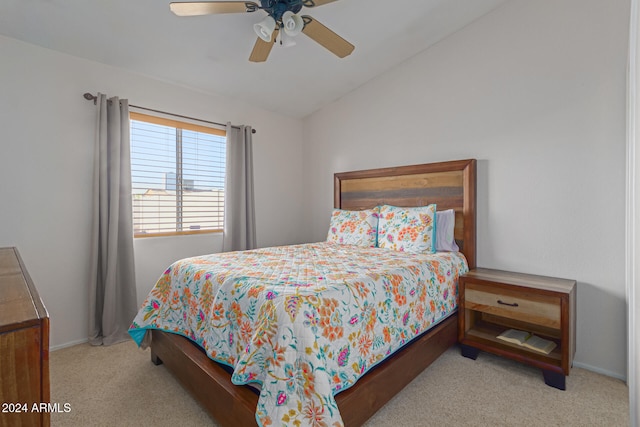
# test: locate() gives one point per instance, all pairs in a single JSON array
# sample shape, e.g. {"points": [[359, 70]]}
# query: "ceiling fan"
{"points": [[282, 15]]}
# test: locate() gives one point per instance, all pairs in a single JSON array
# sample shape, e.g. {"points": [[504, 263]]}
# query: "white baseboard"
{"points": [[599, 371], [68, 344]]}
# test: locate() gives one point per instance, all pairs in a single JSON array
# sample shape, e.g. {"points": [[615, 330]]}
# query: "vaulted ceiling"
{"points": [[210, 53]]}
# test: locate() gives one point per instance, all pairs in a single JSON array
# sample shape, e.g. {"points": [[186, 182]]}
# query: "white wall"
{"points": [[535, 91], [46, 157]]}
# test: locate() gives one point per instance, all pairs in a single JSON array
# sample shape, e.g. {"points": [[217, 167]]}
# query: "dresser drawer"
{"points": [[514, 304]]}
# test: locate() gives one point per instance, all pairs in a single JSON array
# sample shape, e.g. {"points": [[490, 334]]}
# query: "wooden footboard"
{"points": [[232, 405]]}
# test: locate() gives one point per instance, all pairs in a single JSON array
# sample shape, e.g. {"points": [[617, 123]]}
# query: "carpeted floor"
{"points": [[119, 386]]}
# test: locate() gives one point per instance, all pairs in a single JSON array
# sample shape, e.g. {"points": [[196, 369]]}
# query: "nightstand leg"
{"points": [[554, 379], [470, 352]]}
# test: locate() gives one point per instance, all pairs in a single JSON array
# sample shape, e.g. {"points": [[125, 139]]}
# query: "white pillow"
{"points": [[445, 224]]}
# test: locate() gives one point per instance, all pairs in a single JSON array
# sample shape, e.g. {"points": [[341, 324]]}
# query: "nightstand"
{"points": [[493, 301]]}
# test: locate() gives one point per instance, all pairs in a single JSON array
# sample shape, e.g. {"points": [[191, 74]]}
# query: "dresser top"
{"points": [[19, 301]]}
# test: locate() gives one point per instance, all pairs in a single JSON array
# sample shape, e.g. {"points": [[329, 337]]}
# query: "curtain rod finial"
{"points": [[90, 97]]}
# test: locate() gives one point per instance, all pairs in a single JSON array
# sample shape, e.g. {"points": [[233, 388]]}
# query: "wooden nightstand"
{"points": [[492, 301]]}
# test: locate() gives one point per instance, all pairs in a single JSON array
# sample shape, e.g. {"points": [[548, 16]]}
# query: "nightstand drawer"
{"points": [[537, 309]]}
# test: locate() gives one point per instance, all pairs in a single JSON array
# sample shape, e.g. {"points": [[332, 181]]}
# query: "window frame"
{"points": [[178, 125]]}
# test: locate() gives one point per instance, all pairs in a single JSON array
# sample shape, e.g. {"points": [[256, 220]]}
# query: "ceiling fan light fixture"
{"points": [[292, 23], [264, 29], [285, 40], [283, 22]]}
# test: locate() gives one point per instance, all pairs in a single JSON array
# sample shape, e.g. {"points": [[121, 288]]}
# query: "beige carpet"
{"points": [[119, 386]]}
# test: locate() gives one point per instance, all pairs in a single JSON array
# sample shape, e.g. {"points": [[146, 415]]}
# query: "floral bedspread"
{"points": [[303, 321]]}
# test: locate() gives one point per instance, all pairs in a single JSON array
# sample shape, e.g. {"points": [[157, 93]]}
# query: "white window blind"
{"points": [[177, 171]]}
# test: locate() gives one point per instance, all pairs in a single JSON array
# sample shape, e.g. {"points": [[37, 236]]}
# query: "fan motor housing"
{"points": [[276, 8]]}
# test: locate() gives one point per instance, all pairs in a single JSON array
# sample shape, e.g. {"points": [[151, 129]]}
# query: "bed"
{"points": [[350, 394]]}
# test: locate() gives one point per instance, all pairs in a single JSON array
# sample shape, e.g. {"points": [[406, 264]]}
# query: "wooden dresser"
{"points": [[24, 346]]}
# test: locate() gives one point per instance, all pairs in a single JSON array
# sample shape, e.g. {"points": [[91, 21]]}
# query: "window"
{"points": [[177, 174]]}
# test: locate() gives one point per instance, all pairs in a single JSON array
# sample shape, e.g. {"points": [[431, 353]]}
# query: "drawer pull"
{"points": [[515, 304]]}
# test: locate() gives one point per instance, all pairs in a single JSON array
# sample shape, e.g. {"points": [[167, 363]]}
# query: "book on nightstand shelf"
{"points": [[528, 340]]}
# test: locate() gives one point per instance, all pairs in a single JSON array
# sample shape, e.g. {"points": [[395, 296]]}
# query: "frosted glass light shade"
{"points": [[292, 23], [264, 29]]}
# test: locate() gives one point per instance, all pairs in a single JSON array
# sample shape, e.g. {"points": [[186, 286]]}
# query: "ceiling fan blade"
{"points": [[262, 49], [207, 7], [314, 3], [327, 38]]}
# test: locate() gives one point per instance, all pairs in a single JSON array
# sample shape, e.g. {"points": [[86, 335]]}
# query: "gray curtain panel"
{"points": [[112, 292], [239, 206]]}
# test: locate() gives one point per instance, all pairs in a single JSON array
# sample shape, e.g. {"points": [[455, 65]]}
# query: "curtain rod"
{"points": [[90, 97]]}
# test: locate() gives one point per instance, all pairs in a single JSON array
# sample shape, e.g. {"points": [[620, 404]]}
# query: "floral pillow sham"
{"points": [[354, 227], [407, 229]]}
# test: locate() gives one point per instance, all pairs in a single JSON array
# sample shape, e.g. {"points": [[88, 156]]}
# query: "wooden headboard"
{"points": [[450, 185]]}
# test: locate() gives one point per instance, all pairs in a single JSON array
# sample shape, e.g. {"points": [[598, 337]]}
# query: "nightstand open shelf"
{"points": [[492, 301], [487, 333]]}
